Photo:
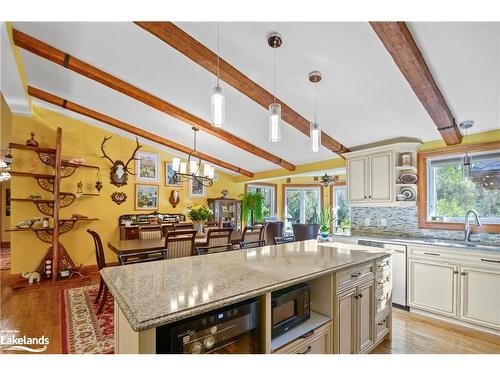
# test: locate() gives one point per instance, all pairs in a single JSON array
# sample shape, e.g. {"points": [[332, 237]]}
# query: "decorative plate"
{"points": [[408, 178], [118, 197], [408, 192]]}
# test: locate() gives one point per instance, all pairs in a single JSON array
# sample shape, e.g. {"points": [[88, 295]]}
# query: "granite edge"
{"points": [[189, 312]]}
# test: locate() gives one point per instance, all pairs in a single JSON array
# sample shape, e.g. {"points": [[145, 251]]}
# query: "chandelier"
{"points": [[194, 163]]}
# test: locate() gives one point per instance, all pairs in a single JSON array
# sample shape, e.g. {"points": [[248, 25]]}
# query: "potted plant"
{"points": [[325, 223], [253, 206], [199, 214]]}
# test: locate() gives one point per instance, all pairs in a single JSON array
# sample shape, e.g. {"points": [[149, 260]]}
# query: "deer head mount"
{"points": [[119, 170]]}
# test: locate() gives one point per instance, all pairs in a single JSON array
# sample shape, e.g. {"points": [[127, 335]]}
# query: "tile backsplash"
{"points": [[403, 221]]}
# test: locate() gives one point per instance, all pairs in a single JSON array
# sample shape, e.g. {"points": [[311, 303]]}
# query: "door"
{"points": [[346, 330], [357, 170], [365, 317], [433, 286], [480, 296], [381, 184]]}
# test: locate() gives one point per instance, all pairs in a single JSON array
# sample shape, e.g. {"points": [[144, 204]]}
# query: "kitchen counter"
{"points": [[456, 245], [156, 293]]}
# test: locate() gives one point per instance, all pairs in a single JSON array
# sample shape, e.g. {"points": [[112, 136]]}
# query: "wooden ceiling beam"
{"points": [[197, 52], [398, 40], [74, 107], [59, 57]]}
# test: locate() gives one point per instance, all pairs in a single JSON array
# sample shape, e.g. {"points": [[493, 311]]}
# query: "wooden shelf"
{"points": [[28, 229], [77, 165], [35, 175], [83, 219], [314, 322], [45, 150], [91, 194], [406, 167]]}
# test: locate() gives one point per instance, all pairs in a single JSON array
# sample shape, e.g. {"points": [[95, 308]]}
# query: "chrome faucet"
{"points": [[467, 225]]}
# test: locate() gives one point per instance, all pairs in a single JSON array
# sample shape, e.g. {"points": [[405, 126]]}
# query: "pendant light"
{"points": [[218, 102], [274, 41], [466, 165], [314, 130]]}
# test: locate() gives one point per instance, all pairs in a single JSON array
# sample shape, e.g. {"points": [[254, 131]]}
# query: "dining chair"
{"points": [[101, 263], [218, 239], [252, 244], [304, 232], [253, 236], [180, 243], [150, 232], [284, 239], [274, 229], [183, 226]]}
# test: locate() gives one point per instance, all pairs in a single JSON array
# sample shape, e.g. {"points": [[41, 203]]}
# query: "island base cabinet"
{"points": [[480, 296], [432, 286], [354, 328]]}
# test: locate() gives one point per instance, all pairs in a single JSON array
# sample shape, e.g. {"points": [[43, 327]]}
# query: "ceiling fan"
{"points": [[327, 180]]}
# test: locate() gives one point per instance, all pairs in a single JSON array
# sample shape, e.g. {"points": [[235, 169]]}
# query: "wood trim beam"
{"points": [[197, 52], [398, 40], [66, 104], [59, 57]]}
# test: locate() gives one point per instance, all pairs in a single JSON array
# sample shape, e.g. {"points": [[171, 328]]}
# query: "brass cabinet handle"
{"points": [[381, 323], [360, 295], [435, 254], [381, 299], [490, 260], [463, 273], [455, 272], [356, 275], [307, 350]]}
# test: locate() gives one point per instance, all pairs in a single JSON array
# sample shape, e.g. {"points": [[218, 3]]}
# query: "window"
{"points": [[269, 193], [341, 210], [302, 204], [450, 194]]}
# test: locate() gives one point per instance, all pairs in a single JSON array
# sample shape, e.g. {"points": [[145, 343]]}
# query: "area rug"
{"points": [[83, 330], [4, 259]]}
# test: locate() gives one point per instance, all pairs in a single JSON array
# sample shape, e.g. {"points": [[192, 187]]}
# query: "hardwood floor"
{"points": [[36, 311]]}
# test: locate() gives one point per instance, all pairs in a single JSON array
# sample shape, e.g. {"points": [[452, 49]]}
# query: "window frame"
{"points": [[266, 185], [333, 188], [299, 186], [423, 186]]}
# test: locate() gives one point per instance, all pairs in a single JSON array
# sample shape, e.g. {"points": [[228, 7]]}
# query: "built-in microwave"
{"points": [[290, 307]]}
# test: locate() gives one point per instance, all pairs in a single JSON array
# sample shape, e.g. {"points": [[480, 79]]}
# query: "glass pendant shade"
{"points": [[211, 173], [183, 167], [466, 165], [206, 170], [315, 136], [218, 107], [176, 162], [275, 122], [193, 166]]}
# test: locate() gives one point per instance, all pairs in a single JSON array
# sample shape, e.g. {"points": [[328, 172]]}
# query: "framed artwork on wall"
{"points": [[169, 173], [147, 167], [196, 190], [146, 197]]}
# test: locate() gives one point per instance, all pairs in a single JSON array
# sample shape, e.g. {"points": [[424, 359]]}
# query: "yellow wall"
{"points": [[83, 140], [487, 136], [5, 130]]}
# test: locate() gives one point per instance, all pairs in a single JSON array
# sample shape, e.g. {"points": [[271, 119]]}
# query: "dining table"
{"points": [[156, 246]]}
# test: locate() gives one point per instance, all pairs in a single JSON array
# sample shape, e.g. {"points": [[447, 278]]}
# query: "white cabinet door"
{"points": [[433, 286], [381, 180], [346, 329], [365, 317], [480, 296], [357, 171]]}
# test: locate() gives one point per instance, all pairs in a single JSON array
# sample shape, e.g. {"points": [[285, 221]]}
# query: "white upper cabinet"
{"points": [[373, 174]]}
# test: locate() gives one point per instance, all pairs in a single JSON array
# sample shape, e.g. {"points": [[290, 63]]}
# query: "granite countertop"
{"points": [[455, 245], [155, 293]]}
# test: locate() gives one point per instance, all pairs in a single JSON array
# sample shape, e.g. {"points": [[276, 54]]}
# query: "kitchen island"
{"points": [[350, 294]]}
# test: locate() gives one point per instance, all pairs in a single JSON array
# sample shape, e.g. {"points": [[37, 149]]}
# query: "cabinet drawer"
{"points": [[353, 276], [383, 286], [383, 267], [317, 343], [383, 302], [381, 327]]}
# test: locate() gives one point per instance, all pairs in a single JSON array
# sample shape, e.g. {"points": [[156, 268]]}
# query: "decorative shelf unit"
{"points": [[48, 268]]}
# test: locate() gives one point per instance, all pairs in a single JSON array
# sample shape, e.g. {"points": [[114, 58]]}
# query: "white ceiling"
{"points": [[363, 97]]}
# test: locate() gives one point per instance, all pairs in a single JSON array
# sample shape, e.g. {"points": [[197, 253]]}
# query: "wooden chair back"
{"points": [[219, 236], [201, 250], [183, 226], [150, 232], [180, 243], [303, 232], [252, 244], [255, 233], [99, 251]]}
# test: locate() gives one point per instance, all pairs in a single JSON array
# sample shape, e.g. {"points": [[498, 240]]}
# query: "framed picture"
{"points": [[146, 167], [146, 197], [169, 173], [196, 190]]}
